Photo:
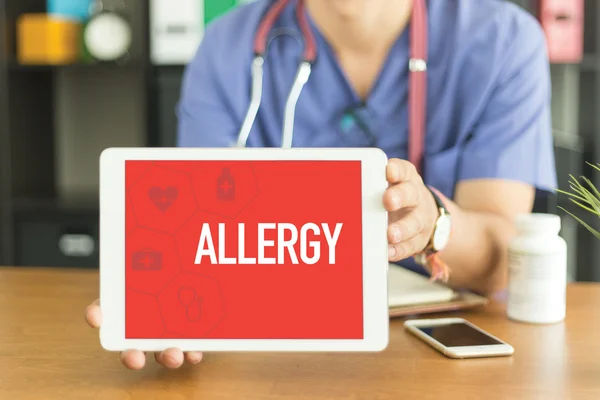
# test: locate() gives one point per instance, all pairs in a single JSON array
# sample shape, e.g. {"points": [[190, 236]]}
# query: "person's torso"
{"points": [[466, 42]]}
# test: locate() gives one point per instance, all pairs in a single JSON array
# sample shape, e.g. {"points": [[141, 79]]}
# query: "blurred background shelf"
{"points": [[15, 66], [57, 232], [56, 119], [590, 62]]}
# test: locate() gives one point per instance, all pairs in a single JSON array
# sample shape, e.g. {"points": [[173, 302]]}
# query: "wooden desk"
{"points": [[48, 352]]}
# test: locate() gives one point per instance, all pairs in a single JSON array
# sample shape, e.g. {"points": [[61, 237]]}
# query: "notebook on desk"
{"points": [[410, 293]]}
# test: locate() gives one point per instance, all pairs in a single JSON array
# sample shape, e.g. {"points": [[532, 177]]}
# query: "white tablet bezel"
{"points": [[112, 249]]}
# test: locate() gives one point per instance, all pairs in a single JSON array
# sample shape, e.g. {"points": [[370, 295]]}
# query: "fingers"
{"points": [[405, 249], [170, 358], [405, 229], [411, 211], [407, 236], [193, 357], [93, 314], [133, 359], [400, 196], [398, 171], [174, 358], [136, 359]]}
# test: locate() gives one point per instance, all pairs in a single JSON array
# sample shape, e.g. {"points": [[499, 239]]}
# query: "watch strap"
{"points": [[438, 200], [430, 258]]}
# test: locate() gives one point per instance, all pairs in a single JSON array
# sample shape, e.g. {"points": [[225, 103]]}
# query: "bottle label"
{"points": [[537, 286]]}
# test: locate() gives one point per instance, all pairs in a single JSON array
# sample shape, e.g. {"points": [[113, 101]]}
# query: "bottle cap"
{"points": [[538, 222]]}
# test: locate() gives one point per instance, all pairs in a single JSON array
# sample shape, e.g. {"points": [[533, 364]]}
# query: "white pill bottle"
{"points": [[537, 270]]}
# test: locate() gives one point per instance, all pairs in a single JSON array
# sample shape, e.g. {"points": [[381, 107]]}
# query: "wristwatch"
{"points": [[442, 229]]}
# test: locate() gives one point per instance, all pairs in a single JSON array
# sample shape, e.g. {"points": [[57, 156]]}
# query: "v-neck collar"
{"points": [[400, 48]]}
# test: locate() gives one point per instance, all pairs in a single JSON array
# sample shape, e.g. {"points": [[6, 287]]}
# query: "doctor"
{"points": [[456, 92]]}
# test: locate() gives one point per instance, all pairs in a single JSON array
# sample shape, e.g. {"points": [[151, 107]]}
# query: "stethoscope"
{"points": [[417, 76]]}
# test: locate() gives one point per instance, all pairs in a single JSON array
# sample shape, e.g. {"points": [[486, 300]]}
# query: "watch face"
{"points": [[442, 232], [108, 36]]}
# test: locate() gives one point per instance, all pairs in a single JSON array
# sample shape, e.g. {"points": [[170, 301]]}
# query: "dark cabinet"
{"points": [[57, 238], [167, 90], [55, 120]]}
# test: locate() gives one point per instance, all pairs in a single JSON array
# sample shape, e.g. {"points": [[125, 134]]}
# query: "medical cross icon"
{"points": [[146, 260], [226, 186]]}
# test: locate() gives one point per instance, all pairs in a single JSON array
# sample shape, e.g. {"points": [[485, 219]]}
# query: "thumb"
{"points": [[93, 314]]}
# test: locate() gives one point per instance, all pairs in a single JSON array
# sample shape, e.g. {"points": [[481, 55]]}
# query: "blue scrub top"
{"points": [[488, 95]]}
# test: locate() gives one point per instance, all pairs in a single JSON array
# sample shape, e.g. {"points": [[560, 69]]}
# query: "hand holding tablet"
{"points": [[243, 250], [136, 359]]}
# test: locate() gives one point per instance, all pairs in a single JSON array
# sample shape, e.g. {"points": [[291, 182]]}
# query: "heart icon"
{"points": [[162, 198]]}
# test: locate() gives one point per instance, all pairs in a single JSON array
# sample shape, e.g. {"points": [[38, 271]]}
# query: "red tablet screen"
{"points": [[243, 250]]}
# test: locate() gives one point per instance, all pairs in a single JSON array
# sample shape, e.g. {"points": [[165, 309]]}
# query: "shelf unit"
{"points": [[54, 122]]}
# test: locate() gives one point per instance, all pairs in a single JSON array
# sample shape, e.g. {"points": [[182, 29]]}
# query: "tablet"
{"points": [[243, 249]]}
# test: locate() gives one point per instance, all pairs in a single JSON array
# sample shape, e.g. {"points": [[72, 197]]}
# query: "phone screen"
{"points": [[458, 334]]}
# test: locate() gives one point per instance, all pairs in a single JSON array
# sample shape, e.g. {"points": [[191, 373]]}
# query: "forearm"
{"points": [[477, 251], [482, 213]]}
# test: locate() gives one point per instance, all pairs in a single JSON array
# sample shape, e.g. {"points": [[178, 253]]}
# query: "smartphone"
{"points": [[458, 338]]}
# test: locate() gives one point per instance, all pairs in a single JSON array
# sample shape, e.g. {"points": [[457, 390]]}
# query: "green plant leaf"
{"points": [[585, 207], [591, 200], [588, 227], [576, 186], [584, 194], [591, 185], [572, 195], [595, 166]]}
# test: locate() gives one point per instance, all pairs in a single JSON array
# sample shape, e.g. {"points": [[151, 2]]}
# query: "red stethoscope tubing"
{"points": [[417, 93]]}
